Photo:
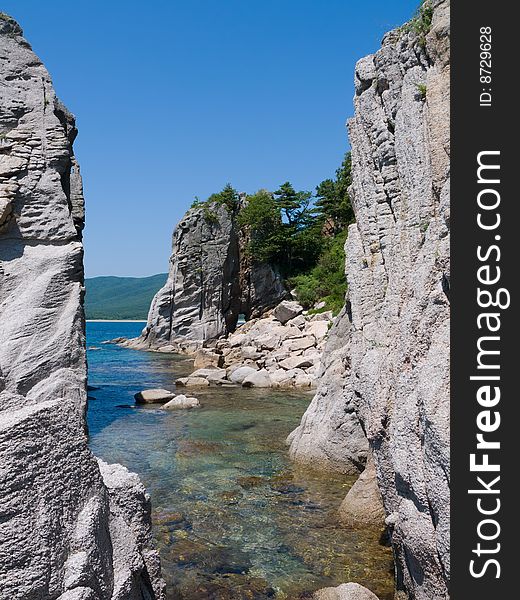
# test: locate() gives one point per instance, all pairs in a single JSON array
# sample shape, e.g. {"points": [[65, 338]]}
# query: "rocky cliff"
{"points": [[70, 528], [387, 371], [210, 283]]}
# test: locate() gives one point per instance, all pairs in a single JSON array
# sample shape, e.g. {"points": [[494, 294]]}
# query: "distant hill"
{"points": [[121, 297]]}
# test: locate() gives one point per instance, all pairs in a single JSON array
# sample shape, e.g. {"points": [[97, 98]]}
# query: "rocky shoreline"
{"points": [[280, 349], [381, 367]]}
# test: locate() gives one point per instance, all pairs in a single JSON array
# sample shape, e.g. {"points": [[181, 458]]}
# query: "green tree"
{"points": [[294, 205], [262, 219], [228, 197], [333, 200]]}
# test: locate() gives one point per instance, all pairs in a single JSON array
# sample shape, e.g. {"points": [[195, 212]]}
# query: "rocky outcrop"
{"points": [[392, 364], [330, 436], [70, 528], [211, 281]]}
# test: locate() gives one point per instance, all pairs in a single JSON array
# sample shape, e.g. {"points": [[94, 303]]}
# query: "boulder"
{"points": [[205, 359], [191, 382], [260, 379], [212, 375], [167, 349], [237, 339], [324, 316], [182, 401], [238, 375], [268, 341], [363, 504], [250, 352], [318, 329], [303, 381], [298, 321], [302, 343], [287, 310], [278, 375], [296, 362], [345, 591], [153, 396]]}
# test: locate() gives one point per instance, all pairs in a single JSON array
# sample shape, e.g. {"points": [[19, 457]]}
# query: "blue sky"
{"points": [[174, 99]]}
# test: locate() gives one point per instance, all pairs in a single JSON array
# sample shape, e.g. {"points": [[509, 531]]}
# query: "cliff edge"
{"points": [[386, 373], [71, 528]]}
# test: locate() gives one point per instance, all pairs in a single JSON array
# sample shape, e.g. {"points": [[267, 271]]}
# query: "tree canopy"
{"points": [[300, 234]]}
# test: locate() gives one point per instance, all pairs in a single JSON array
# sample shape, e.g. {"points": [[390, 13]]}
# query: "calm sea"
{"points": [[233, 518]]}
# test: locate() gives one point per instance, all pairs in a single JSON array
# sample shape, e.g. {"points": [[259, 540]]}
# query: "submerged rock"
{"points": [[363, 504], [181, 401], [345, 591], [191, 382]]}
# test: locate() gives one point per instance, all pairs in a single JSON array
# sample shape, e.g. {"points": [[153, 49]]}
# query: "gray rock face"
{"points": [[198, 301], [69, 529], [330, 436], [210, 283], [395, 327]]}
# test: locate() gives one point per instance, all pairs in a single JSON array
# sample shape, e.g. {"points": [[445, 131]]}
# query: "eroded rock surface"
{"points": [[68, 529], [210, 283], [391, 353]]}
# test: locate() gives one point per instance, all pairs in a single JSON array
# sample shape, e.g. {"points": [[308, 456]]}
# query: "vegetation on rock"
{"points": [[299, 233]]}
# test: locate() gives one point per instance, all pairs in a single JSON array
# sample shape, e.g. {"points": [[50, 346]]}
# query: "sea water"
{"points": [[233, 517]]}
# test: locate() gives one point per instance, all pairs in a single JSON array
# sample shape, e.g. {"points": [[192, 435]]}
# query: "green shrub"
{"points": [[421, 22], [325, 282], [421, 88], [228, 197], [210, 216]]}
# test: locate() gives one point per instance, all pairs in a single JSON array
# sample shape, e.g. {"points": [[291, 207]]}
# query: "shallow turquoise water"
{"points": [[233, 517]]}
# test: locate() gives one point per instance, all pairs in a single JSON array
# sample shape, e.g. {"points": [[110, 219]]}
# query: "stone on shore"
{"points": [[153, 396], [181, 401], [345, 591], [191, 382], [212, 375], [240, 374], [296, 362], [259, 379], [205, 359], [287, 310]]}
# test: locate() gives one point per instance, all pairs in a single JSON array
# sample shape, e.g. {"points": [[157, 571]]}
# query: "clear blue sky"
{"points": [[175, 98]]}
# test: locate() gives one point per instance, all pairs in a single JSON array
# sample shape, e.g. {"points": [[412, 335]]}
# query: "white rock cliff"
{"points": [[210, 283], [388, 365], [70, 528]]}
